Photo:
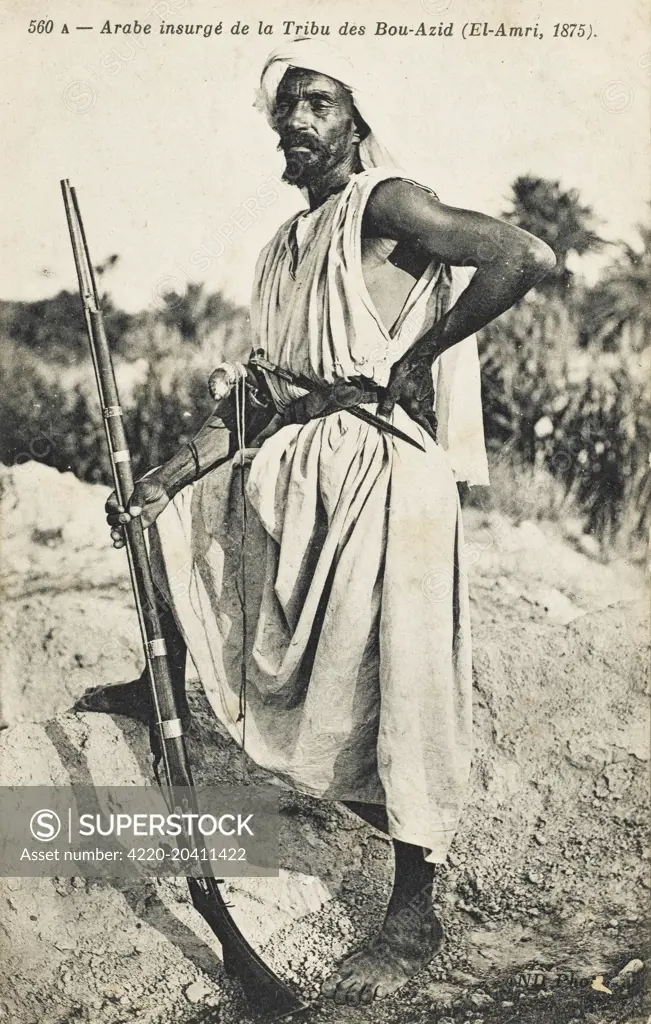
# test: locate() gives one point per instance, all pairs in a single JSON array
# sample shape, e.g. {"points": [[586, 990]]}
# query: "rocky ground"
{"points": [[545, 893]]}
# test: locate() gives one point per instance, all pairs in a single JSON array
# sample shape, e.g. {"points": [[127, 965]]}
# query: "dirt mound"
{"points": [[53, 527], [545, 879], [66, 618], [106, 952]]}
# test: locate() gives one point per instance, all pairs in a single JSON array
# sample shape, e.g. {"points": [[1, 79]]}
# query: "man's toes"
{"points": [[346, 991], [367, 994], [354, 993], [381, 991], [329, 986]]}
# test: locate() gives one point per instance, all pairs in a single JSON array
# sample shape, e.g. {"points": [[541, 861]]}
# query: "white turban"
{"points": [[316, 55]]}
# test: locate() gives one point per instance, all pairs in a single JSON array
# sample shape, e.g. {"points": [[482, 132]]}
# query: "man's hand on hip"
{"points": [[410, 386]]}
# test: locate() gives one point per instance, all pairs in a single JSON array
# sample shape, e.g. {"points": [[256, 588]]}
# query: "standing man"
{"points": [[315, 577]]}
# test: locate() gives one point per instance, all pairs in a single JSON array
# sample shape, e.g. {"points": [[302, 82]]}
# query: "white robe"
{"points": [[357, 635]]}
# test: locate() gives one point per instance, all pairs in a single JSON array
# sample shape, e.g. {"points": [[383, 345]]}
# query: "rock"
{"points": [[601, 788], [558, 607], [197, 991], [65, 945], [481, 1000], [627, 973], [464, 979], [441, 995]]}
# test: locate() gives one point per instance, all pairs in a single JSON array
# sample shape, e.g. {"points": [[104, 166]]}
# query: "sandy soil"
{"points": [[546, 887]]}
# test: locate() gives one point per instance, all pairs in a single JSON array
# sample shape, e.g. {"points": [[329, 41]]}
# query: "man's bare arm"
{"points": [[509, 261], [211, 445], [154, 492]]}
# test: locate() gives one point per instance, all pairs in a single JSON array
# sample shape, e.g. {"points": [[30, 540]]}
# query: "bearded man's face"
{"points": [[314, 117]]}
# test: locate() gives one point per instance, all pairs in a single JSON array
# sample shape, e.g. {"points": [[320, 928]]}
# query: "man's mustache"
{"points": [[288, 141]]}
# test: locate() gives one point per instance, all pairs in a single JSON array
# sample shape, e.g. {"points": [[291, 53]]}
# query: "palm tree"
{"points": [[558, 217], [617, 313]]}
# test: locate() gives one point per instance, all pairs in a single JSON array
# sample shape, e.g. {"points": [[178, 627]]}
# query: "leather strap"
{"points": [[343, 394]]}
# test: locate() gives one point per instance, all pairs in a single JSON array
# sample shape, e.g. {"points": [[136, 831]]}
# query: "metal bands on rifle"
{"points": [[112, 410], [171, 728], [122, 455], [157, 648]]}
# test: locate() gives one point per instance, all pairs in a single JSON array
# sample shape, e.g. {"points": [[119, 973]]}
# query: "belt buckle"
{"points": [[347, 394]]}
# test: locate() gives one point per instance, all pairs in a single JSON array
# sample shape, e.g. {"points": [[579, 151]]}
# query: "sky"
{"points": [[159, 135]]}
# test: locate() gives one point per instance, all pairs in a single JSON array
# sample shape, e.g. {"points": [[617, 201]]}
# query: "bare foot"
{"points": [[408, 940]]}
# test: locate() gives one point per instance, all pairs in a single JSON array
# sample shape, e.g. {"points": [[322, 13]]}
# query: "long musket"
{"points": [[260, 983]]}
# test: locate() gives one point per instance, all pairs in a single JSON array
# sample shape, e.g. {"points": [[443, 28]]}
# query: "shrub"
{"points": [[580, 413]]}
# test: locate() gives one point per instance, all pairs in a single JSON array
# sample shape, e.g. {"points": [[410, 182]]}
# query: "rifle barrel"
{"points": [[160, 681]]}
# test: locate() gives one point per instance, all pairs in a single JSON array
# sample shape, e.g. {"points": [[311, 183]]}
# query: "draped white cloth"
{"points": [[457, 374], [357, 635]]}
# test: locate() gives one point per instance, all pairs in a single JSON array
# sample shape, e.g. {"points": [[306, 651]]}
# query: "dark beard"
{"points": [[301, 172], [302, 167]]}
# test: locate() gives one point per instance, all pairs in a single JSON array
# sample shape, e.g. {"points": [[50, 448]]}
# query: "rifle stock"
{"points": [[264, 988]]}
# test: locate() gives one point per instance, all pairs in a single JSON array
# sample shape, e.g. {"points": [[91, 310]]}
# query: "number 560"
{"points": [[41, 27]]}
